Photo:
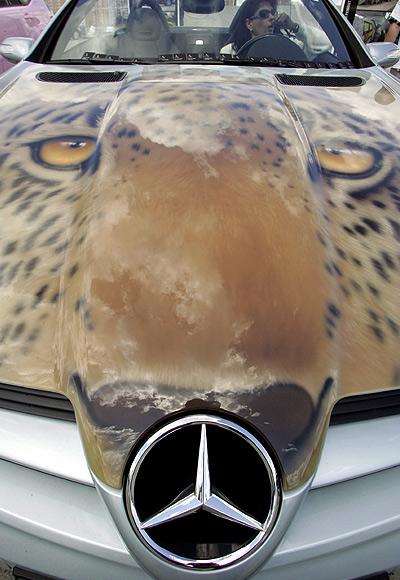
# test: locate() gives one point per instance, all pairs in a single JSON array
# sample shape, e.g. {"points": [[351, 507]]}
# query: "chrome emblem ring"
{"points": [[203, 492]]}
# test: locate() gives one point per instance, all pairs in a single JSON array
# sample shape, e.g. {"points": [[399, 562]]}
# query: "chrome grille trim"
{"points": [[43, 444], [54, 447], [357, 449]]}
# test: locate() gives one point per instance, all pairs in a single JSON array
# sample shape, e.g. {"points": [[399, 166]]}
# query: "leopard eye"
{"points": [[348, 160], [64, 152]]}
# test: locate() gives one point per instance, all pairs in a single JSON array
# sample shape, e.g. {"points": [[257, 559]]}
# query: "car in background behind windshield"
{"points": [[21, 18]]}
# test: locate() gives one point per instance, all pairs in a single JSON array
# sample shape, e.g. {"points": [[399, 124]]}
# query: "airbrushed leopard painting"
{"points": [[199, 237]]}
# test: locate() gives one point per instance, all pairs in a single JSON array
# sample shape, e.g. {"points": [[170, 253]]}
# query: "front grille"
{"points": [[362, 407], [56, 406], [35, 402]]}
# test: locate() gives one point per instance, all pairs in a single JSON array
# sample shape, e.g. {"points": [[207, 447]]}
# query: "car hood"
{"points": [[193, 238]]}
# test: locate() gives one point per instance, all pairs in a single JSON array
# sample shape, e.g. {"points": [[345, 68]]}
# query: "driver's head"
{"points": [[253, 18], [261, 21]]}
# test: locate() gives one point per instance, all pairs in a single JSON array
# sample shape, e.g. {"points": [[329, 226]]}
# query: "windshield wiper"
{"points": [[213, 58], [96, 57], [203, 58], [100, 58]]}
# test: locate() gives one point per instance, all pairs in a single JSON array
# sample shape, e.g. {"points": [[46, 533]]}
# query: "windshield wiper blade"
{"points": [[97, 61], [203, 58], [101, 58], [212, 58]]}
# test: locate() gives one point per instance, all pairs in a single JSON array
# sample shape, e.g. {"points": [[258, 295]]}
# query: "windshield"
{"points": [[301, 31]]}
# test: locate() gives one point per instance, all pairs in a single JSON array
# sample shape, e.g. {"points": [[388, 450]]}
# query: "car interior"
{"points": [[150, 30], [148, 34]]}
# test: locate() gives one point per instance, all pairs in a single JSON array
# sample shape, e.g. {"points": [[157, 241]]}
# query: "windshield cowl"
{"points": [[200, 58]]}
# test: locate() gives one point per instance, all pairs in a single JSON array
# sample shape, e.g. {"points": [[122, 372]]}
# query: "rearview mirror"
{"points": [[386, 54], [15, 48]]}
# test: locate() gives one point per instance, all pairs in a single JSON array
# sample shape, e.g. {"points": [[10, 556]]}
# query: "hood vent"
{"points": [[81, 77], [319, 81]]}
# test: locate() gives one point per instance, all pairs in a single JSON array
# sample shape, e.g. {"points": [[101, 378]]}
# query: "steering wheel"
{"points": [[273, 46], [326, 58]]}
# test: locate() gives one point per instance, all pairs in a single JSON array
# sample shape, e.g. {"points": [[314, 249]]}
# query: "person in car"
{"points": [[255, 18], [146, 34]]}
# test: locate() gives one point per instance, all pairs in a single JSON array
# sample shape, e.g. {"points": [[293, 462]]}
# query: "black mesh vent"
{"points": [[362, 407], [35, 402], [81, 77], [319, 81]]}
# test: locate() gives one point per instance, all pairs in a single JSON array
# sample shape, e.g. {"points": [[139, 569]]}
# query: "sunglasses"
{"points": [[264, 13]]}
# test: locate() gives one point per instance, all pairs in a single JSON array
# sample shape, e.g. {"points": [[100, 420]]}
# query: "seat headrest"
{"points": [[203, 6], [145, 24], [153, 4]]}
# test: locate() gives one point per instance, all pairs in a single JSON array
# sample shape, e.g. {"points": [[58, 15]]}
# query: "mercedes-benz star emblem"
{"points": [[202, 498], [203, 492]]}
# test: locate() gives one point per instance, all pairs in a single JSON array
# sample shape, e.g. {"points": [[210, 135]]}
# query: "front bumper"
{"points": [[348, 526]]}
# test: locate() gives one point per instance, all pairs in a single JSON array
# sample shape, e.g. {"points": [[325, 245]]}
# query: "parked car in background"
{"points": [[24, 18]]}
